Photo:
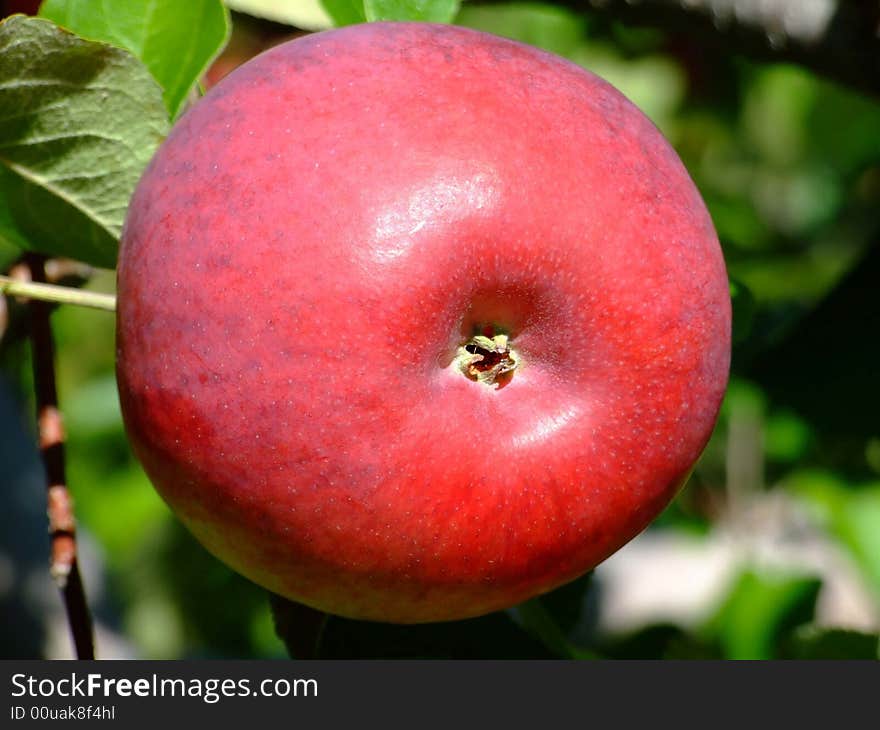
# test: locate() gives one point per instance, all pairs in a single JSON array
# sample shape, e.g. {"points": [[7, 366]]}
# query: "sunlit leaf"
{"points": [[547, 26], [852, 515], [760, 610], [345, 12], [306, 14], [433, 11], [175, 40]]}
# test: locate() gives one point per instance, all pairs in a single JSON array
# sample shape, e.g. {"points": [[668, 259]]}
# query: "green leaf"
{"points": [[176, 40], [656, 641], [12, 243], [9, 254], [759, 610], [306, 14], [345, 12], [812, 642], [552, 28], [534, 618], [850, 514], [556, 619], [79, 121], [859, 527], [432, 11]]}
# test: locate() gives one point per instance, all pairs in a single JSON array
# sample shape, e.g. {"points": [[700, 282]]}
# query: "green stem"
{"points": [[58, 294]]}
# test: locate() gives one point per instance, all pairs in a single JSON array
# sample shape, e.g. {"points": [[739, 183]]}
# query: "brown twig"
{"points": [[64, 567]]}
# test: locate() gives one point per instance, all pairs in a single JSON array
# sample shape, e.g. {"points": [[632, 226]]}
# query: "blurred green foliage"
{"points": [[789, 166]]}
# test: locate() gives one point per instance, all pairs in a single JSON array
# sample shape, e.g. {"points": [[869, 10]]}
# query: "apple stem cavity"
{"points": [[487, 359]]}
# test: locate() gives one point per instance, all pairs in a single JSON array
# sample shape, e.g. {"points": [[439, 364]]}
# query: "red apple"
{"points": [[416, 322]]}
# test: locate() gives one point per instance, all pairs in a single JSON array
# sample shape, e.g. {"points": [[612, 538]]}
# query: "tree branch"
{"points": [[62, 527], [839, 39]]}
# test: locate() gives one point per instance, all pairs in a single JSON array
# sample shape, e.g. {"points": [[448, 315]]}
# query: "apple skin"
{"points": [[304, 256]]}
